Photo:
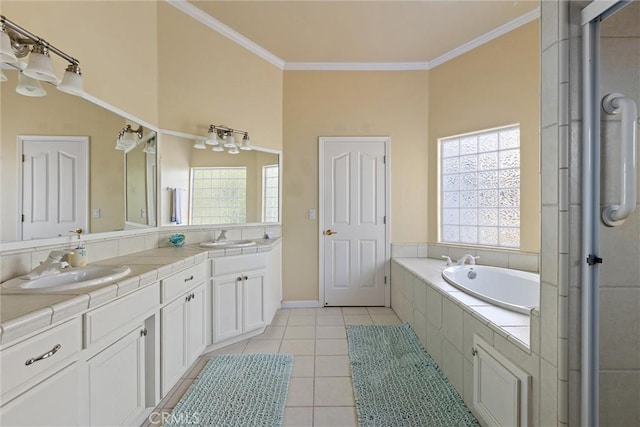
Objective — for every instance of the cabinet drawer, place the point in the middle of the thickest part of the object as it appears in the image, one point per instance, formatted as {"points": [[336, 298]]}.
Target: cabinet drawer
{"points": [[181, 282], [40, 353], [124, 311], [237, 264]]}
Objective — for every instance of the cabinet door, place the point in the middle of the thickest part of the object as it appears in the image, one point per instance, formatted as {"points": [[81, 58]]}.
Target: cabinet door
{"points": [[253, 306], [53, 402], [116, 381], [196, 338], [173, 342], [227, 306]]}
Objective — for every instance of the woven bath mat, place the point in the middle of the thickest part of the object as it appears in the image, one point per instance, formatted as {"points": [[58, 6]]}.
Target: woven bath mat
{"points": [[236, 390], [397, 383]]}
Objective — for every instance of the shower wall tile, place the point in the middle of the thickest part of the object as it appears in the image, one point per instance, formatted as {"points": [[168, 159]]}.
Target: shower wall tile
{"points": [[563, 231], [620, 318], [574, 398], [563, 402], [563, 275], [522, 261], [549, 323], [549, 245], [548, 394], [549, 165], [619, 397], [575, 246], [575, 166], [563, 359], [563, 64], [563, 189], [621, 252], [563, 100], [625, 24], [575, 330], [548, 24], [549, 86], [563, 146]]}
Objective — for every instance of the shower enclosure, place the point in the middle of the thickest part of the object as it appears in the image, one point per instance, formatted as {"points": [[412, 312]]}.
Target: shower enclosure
{"points": [[609, 322]]}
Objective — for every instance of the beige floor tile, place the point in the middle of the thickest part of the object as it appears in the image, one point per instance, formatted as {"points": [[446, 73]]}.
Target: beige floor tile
{"points": [[298, 417], [336, 416], [330, 320], [177, 395], [262, 346], [385, 319], [303, 311], [236, 348], [283, 312], [280, 321], [331, 347], [357, 319], [303, 366], [354, 310], [333, 391], [300, 392], [301, 320], [380, 310], [196, 368], [271, 333], [298, 347], [323, 311], [333, 366], [300, 332], [324, 332]]}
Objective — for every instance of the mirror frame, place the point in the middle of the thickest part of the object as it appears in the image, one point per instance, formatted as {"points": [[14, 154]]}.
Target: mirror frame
{"points": [[160, 215]]}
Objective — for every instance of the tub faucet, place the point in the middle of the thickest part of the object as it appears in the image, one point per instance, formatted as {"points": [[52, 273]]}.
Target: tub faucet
{"points": [[222, 236], [472, 259]]}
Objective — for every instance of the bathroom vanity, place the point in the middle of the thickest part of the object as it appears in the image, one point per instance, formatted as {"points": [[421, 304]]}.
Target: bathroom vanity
{"points": [[107, 355]]}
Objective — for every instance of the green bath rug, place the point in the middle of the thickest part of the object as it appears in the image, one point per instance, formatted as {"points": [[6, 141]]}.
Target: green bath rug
{"points": [[236, 390], [396, 382]]}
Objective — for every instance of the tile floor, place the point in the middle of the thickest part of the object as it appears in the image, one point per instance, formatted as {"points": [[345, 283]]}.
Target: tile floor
{"points": [[320, 391]]}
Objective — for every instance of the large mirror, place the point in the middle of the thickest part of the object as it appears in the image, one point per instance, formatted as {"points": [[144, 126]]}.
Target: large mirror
{"points": [[60, 169], [201, 187]]}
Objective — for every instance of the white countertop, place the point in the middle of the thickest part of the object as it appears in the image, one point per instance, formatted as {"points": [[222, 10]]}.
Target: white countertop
{"points": [[21, 313]]}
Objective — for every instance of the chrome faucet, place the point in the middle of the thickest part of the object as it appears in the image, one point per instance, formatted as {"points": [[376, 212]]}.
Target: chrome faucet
{"points": [[472, 259], [222, 236], [50, 266]]}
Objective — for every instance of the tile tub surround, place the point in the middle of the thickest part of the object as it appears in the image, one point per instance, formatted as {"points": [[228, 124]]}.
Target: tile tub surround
{"points": [[488, 256], [22, 314], [445, 320]]}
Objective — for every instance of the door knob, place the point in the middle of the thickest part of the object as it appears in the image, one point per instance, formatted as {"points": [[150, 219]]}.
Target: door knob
{"points": [[330, 232]]}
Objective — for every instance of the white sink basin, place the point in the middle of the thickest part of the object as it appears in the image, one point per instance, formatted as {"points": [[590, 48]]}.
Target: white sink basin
{"points": [[228, 244], [67, 279]]}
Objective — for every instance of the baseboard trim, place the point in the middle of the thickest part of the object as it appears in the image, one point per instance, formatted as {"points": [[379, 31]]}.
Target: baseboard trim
{"points": [[300, 304]]}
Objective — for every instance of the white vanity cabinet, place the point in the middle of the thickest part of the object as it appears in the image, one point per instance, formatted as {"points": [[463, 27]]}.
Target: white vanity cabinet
{"points": [[183, 324], [238, 284], [116, 336], [44, 369]]}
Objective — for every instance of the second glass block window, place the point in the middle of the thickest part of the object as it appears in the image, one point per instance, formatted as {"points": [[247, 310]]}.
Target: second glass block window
{"points": [[480, 188]]}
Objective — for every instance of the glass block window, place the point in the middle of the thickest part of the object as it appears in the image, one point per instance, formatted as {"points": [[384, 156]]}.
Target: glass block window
{"points": [[270, 204], [480, 188], [218, 195]]}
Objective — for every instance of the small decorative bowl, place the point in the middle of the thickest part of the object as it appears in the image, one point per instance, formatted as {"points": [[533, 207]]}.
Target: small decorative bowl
{"points": [[177, 240]]}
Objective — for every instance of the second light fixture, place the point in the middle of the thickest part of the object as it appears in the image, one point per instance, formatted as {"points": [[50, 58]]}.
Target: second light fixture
{"points": [[221, 137]]}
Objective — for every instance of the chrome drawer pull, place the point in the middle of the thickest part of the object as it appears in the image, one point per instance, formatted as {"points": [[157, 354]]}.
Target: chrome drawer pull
{"points": [[188, 278], [50, 353]]}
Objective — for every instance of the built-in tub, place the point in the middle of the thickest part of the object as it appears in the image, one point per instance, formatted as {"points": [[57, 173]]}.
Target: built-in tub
{"points": [[511, 289]]}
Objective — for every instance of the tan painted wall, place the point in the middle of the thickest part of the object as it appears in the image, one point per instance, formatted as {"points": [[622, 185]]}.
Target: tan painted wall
{"points": [[494, 85], [61, 114], [115, 42], [354, 104], [204, 78]]}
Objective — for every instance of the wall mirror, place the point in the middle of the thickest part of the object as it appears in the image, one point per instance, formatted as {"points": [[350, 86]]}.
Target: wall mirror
{"points": [[69, 142], [203, 187]]}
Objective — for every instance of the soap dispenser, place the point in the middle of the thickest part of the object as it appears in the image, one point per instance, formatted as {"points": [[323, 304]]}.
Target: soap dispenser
{"points": [[78, 256]]}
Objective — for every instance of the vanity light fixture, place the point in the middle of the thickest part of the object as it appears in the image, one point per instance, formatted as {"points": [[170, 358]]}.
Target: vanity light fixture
{"points": [[150, 146], [200, 144], [126, 140], [14, 44], [29, 86], [221, 137]]}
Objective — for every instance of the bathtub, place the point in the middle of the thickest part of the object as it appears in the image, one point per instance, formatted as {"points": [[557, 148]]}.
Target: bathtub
{"points": [[511, 289]]}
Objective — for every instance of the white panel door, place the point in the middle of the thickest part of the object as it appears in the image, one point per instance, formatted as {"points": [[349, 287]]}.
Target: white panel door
{"points": [[353, 192], [55, 185]]}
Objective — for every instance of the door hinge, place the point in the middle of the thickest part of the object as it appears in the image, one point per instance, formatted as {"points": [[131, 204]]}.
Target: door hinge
{"points": [[593, 260], [384, 219], [23, 158], [385, 280], [384, 159], [22, 217]]}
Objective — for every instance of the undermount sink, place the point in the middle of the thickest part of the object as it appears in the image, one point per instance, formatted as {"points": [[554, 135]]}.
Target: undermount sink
{"points": [[68, 279], [228, 244]]}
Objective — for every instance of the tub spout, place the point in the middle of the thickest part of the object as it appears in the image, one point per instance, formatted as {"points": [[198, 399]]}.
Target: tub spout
{"points": [[467, 257]]}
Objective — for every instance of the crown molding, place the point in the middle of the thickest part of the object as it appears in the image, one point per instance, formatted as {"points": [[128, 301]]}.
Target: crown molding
{"points": [[261, 52], [226, 31], [485, 38], [356, 66]]}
